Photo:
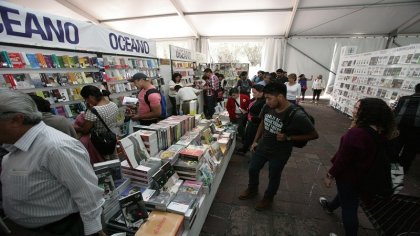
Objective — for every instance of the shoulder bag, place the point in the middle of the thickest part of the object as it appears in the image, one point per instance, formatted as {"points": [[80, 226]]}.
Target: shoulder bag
{"points": [[104, 142]]}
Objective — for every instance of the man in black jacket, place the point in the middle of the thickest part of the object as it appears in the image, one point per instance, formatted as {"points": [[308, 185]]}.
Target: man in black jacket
{"points": [[407, 115]]}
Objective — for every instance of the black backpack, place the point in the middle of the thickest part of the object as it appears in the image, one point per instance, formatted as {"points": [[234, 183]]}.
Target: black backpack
{"points": [[289, 117], [163, 104]]}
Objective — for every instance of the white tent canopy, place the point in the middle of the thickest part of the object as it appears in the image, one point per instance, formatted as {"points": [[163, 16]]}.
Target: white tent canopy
{"points": [[301, 36], [284, 18]]}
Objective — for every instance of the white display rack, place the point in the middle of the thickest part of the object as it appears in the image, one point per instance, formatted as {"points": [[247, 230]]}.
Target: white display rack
{"points": [[386, 74]]}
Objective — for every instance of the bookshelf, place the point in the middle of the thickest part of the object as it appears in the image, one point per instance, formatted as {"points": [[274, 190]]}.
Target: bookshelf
{"points": [[386, 74], [58, 76], [183, 62], [118, 69]]}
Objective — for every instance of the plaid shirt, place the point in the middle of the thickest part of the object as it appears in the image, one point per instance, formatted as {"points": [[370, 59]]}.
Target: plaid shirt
{"points": [[213, 83]]}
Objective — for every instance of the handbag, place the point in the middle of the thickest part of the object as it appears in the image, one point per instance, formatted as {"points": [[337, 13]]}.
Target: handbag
{"points": [[104, 142]]}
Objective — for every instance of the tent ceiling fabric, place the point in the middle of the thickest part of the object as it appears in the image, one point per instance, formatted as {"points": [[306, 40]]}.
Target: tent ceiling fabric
{"points": [[160, 19]]}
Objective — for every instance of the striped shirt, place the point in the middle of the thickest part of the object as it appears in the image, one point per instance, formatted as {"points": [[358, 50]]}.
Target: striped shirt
{"points": [[47, 176]]}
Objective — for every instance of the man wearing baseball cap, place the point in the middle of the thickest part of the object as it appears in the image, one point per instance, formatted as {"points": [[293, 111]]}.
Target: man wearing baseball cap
{"points": [[149, 108]]}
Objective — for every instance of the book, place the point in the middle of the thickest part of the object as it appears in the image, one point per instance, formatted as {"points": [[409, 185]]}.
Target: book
{"points": [[134, 149], [162, 224], [41, 60], [49, 61], [88, 79], [5, 60], [105, 182], [36, 80], [17, 60], [23, 81], [113, 166], [55, 61], [63, 79], [133, 210]]}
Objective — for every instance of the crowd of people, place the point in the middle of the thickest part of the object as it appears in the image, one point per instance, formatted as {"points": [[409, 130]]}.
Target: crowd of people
{"points": [[55, 190]]}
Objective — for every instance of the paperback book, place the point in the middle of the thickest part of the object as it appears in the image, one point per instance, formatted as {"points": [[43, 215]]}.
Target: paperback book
{"points": [[133, 210]]}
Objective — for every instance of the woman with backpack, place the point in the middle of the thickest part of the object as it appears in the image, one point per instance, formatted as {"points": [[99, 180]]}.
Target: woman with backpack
{"points": [[373, 125]]}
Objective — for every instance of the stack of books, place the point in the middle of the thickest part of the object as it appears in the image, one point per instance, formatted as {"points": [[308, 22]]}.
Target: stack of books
{"points": [[186, 197], [171, 154], [188, 164], [150, 141], [167, 189], [142, 174]]}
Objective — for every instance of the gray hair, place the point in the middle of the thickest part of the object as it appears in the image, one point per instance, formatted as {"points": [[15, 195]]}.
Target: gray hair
{"points": [[13, 102]]}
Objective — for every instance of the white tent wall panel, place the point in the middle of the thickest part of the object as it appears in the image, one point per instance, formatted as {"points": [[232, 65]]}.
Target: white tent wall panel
{"points": [[111, 9], [224, 5], [171, 26], [328, 3], [406, 40], [378, 20], [240, 24], [50, 6], [414, 29]]}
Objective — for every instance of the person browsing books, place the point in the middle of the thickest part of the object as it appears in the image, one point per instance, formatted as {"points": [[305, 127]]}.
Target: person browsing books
{"points": [[272, 145], [57, 122], [176, 80], [210, 90], [184, 96], [49, 186], [97, 99], [147, 114]]}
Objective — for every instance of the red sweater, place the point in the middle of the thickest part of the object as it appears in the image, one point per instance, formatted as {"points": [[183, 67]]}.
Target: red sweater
{"points": [[231, 105], [355, 155]]}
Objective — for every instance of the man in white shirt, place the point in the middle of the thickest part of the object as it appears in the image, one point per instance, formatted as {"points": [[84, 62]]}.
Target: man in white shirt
{"points": [[49, 187], [185, 96]]}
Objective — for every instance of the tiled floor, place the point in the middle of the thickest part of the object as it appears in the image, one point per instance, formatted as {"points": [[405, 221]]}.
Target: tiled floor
{"points": [[295, 210]]}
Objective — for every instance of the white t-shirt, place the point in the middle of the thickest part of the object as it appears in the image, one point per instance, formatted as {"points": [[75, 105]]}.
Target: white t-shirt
{"points": [[317, 84], [172, 84], [185, 94], [293, 91]]}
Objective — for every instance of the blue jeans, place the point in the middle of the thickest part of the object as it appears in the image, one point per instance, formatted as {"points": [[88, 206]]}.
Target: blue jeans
{"points": [[348, 199], [275, 167]]}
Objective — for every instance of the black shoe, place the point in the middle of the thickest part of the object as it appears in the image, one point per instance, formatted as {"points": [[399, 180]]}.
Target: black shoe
{"points": [[324, 203]]}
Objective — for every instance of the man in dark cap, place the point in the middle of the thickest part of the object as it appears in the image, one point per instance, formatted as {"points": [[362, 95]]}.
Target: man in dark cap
{"points": [[149, 108]]}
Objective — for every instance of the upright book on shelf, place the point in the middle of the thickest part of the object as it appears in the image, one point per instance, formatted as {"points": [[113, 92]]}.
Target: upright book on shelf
{"points": [[133, 210]]}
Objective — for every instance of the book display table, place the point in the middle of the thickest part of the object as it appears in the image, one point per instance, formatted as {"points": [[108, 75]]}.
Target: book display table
{"points": [[208, 199]]}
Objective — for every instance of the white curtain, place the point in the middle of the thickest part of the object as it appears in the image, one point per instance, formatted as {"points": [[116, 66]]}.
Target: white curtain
{"points": [[205, 48], [271, 56]]}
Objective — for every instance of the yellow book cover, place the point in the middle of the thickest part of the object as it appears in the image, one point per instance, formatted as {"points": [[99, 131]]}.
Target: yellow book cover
{"points": [[162, 224], [72, 78], [67, 61]]}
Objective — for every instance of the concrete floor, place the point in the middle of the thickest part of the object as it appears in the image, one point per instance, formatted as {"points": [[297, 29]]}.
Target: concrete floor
{"points": [[296, 210]]}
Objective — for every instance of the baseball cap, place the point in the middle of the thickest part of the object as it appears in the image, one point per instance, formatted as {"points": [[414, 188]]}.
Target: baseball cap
{"points": [[138, 76]]}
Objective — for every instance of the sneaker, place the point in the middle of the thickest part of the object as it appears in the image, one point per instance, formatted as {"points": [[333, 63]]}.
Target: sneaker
{"points": [[248, 194], [324, 203], [264, 204]]}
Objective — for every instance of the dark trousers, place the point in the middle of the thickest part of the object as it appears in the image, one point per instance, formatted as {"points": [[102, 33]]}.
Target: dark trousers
{"points": [[173, 103], [209, 104], [303, 91], [71, 225], [292, 101], [275, 167], [250, 131], [409, 141], [348, 199], [317, 93]]}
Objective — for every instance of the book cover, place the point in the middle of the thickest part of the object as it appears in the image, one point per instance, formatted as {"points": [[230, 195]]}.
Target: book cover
{"points": [[50, 79], [133, 209], [17, 60], [163, 224], [134, 149], [61, 61], [80, 77], [63, 79], [66, 61], [105, 182], [55, 61], [6, 63], [84, 62], [74, 62], [89, 77], [111, 164], [41, 60], [23, 81], [10, 81], [49, 61]]}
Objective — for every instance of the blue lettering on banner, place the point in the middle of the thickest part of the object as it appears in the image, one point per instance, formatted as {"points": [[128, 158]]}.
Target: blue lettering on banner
{"points": [[67, 33], [124, 43]]}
